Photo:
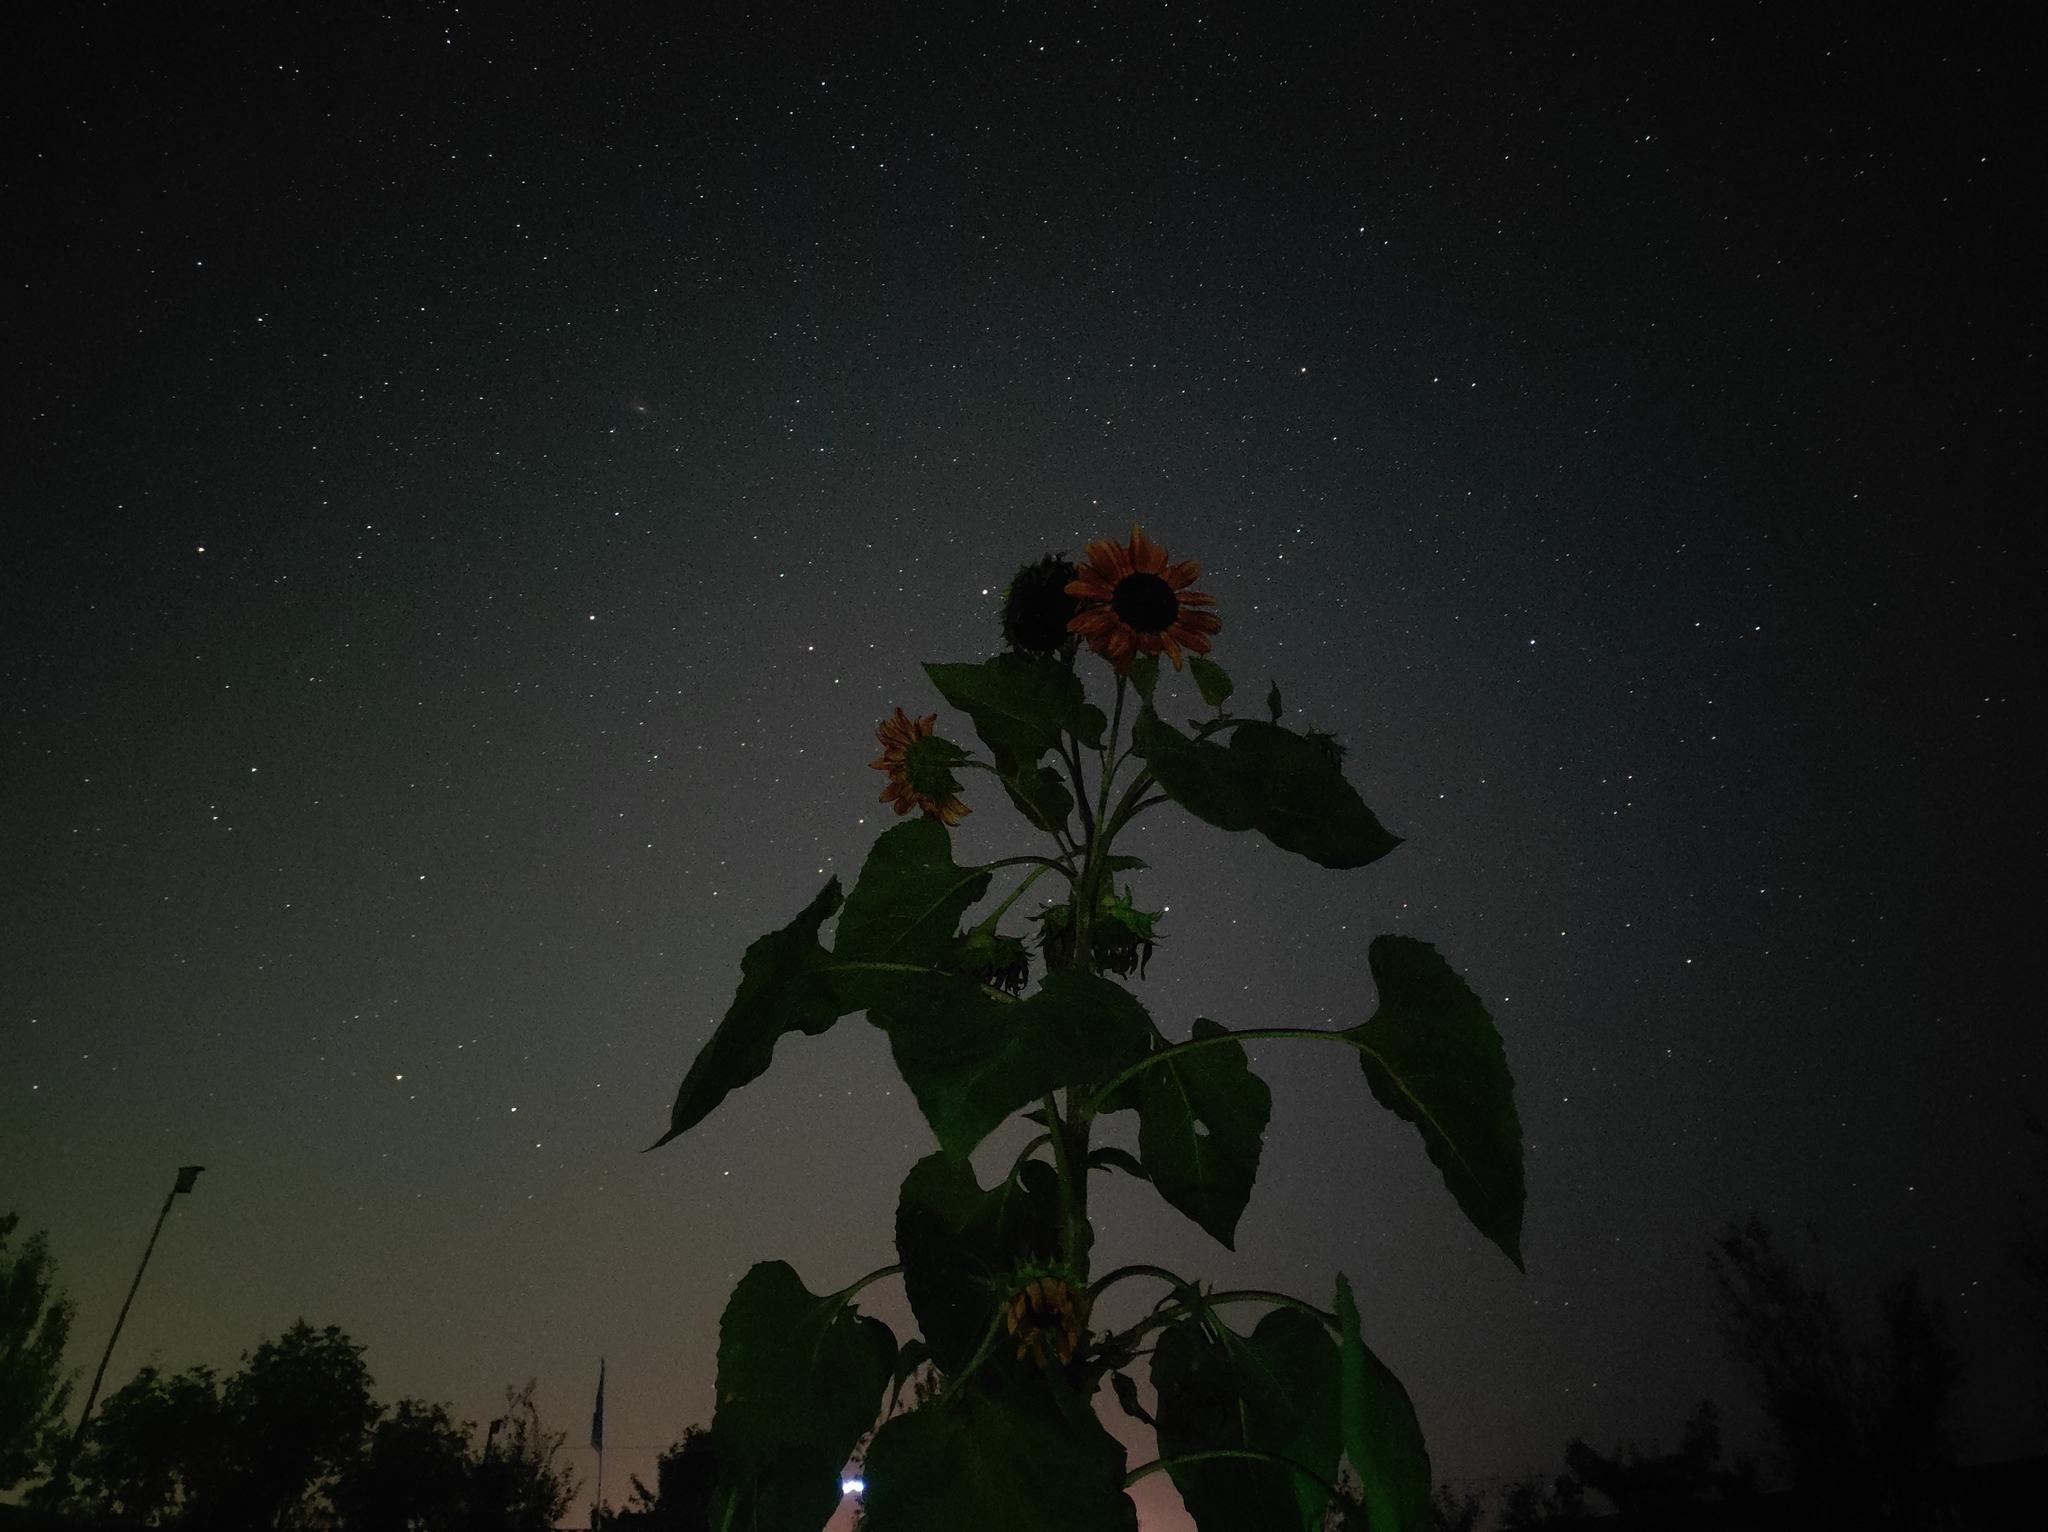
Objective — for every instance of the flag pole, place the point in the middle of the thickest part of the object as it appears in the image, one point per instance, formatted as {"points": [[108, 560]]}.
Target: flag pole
{"points": [[597, 1441], [187, 1175]]}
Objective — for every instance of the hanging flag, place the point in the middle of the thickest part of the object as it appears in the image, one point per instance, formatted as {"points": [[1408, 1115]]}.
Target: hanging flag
{"points": [[187, 1175], [597, 1415]]}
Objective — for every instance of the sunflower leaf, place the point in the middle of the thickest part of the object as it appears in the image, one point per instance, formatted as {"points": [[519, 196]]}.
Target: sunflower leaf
{"points": [[1431, 1055], [1040, 796], [895, 938], [1213, 680], [1273, 1391], [1019, 705], [1109, 1157], [800, 1380], [961, 1245], [907, 904], [1201, 1123], [1127, 1398], [1143, 675], [785, 987], [971, 1060], [1381, 1436], [1021, 1457], [1268, 779]]}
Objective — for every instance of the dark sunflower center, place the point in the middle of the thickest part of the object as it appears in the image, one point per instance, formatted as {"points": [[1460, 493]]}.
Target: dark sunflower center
{"points": [[1146, 602]]}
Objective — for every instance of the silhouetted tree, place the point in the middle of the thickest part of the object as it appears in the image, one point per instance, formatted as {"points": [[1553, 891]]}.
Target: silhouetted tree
{"points": [[294, 1440], [291, 1421], [414, 1475], [1454, 1513], [684, 1477], [2030, 1250], [1659, 1491], [34, 1325], [1539, 1502], [1864, 1434], [139, 1461], [1911, 1389], [516, 1484]]}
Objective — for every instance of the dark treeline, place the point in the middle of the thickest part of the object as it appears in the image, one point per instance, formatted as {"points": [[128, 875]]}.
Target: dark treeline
{"points": [[680, 1501], [294, 1438], [1861, 1433]]}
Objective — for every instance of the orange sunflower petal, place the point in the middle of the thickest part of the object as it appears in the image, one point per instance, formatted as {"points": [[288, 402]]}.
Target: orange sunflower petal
{"points": [[1180, 576], [1111, 559], [1147, 557]]}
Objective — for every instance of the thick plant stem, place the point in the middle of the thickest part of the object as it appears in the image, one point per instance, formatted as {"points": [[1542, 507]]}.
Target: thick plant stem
{"points": [[1166, 1314], [1070, 1158], [1125, 1273], [1116, 723], [1095, 862], [845, 1294], [1018, 892]]}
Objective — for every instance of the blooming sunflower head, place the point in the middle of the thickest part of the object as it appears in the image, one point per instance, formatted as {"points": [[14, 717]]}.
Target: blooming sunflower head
{"points": [[1133, 602], [1049, 1318], [1037, 608], [920, 767]]}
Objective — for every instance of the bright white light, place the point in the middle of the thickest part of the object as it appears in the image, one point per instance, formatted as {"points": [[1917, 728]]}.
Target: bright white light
{"points": [[851, 1486]]}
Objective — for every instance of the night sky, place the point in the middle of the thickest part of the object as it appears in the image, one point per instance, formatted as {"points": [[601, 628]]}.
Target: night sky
{"points": [[474, 485]]}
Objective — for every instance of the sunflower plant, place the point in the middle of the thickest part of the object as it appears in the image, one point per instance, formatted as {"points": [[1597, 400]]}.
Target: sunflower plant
{"points": [[987, 1418]]}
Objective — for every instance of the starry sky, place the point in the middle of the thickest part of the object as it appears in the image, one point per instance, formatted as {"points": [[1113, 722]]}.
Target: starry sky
{"points": [[476, 482]]}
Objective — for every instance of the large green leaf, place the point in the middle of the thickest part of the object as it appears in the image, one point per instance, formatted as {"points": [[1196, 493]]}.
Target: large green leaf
{"points": [[1019, 704], [961, 1246], [1381, 1437], [800, 1380], [894, 937], [784, 987], [906, 908], [971, 1059], [1041, 796], [1201, 1122], [1212, 679], [1027, 1456], [1274, 1391], [1431, 1054], [1282, 784]]}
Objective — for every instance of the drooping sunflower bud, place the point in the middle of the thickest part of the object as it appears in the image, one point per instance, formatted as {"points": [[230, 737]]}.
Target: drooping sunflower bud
{"points": [[1037, 608]]}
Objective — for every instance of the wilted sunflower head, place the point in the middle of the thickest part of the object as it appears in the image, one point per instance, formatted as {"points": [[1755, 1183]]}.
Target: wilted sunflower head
{"points": [[1049, 1318], [1037, 608], [920, 766]]}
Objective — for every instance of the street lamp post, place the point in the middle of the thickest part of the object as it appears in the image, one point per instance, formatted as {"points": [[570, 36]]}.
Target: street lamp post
{"points": [[187, 1176]]}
